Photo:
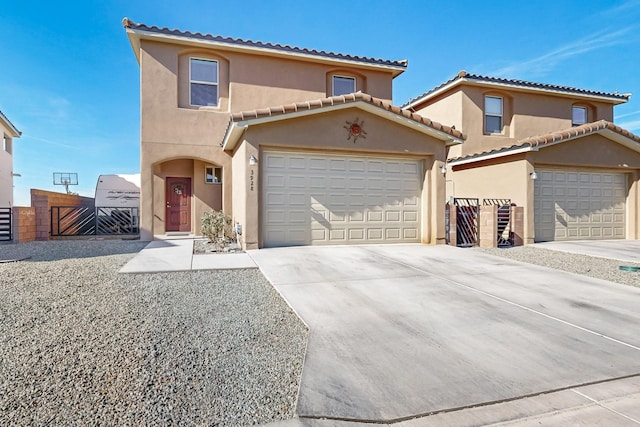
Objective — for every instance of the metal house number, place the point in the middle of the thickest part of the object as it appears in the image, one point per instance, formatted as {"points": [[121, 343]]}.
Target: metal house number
{"points": [[251, 180]]}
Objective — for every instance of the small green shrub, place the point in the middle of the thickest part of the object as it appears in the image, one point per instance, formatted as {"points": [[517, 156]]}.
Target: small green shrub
{"points": [[217, 227]]}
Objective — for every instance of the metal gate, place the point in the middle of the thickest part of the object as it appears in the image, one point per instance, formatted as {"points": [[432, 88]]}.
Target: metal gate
{"points": [[5, 225], [467, 221], [505, 230], [90, 221]]}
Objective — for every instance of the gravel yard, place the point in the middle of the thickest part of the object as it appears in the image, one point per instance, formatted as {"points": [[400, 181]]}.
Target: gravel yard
{"points": [[82, 345], [600, 268]]}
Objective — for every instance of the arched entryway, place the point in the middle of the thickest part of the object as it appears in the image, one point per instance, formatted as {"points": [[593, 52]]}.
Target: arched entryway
{"points": [[183, 190]]}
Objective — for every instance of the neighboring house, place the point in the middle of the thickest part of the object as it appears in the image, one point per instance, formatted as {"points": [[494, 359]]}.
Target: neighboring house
{"points": [[552, 149], [9, 132], [299, 146]]}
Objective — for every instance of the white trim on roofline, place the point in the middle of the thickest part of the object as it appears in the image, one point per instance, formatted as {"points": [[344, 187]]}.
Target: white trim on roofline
{"points": [[180, 39], [516, 87]]}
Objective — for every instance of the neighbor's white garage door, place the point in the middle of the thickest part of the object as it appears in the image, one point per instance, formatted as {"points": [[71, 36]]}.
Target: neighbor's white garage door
{"points": [[312, 199], [579, 205]]}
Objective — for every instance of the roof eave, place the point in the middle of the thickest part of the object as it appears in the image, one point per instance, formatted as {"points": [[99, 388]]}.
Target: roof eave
{"points": [[15, 133], [526, 147], [475, 82], [134, 39], [395, 70], [234, 135], [490, 156], [236, 129]]}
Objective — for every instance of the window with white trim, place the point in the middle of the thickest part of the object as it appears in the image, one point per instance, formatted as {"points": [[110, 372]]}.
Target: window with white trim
{"points": [[492, 114], [212, 175], [6, 144], [203, 82], [343, 85], [578, 116]]}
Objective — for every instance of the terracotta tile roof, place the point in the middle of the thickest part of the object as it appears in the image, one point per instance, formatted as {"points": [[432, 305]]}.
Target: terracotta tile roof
{"points": [[574, 132], [9, 124], [402, 64], [340, 100], [463, 75], [554, 138]]}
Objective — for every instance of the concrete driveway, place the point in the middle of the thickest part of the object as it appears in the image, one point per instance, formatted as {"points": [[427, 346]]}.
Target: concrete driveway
{"points": [[399, 331]]}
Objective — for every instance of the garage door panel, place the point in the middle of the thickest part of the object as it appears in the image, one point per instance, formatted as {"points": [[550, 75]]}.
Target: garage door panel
{"points": [[410, 233], [587, 205], [375, 184], [337, 165], [340, 199]]}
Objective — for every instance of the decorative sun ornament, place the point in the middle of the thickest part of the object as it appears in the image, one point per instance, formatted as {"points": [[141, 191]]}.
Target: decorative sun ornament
{"points": [[354, 129]]}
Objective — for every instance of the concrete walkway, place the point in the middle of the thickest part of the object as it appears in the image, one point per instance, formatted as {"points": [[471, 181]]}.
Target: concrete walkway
{"points": [[622, 250], [177, 255]]}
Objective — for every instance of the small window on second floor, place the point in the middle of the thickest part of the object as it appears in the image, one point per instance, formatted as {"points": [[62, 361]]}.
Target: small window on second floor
{"points": [[203, 82], [492, 114], [6, 145], [578, 116], [343, 85]]}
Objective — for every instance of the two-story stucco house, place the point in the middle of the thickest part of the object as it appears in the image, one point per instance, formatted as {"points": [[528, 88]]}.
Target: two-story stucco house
{"points": [[9, 132], [299, 146], [552, 149]]}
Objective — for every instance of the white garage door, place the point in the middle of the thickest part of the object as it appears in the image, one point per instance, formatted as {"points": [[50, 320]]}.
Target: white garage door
{"points": [[311, 199], [579, 205]]}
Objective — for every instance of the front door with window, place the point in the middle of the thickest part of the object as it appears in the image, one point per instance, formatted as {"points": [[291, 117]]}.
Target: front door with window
{"points": [[178, 204]]}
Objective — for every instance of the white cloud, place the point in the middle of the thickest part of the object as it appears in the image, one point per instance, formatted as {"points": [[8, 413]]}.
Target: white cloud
{"points": [[632, 125], [542, 64], [633, 113], [622, 7]]}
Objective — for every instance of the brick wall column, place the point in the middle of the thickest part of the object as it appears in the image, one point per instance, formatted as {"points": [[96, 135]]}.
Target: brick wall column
{"points": [[488, 234], [517, 225], [23, 224], [453, 229]]}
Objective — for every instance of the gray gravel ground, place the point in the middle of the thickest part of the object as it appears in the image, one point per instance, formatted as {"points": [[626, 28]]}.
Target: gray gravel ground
{"points": [[600, 268], [82, 345]]}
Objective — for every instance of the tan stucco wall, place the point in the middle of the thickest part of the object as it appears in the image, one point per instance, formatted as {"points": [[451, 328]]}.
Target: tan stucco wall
{"points": [[592, 150], [509, 177], [205, 197], [325, 133], [241, 190], [525, 114], [171, 129], [448, 111], [497, 179]]}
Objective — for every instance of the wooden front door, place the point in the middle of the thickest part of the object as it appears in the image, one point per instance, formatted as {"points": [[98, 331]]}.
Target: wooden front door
{"points": [[178, 204]]}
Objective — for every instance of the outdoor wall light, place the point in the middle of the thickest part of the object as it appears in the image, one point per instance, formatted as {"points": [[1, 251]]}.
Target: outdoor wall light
{"points": [[443, 168], [252, 160], [533, 175]]}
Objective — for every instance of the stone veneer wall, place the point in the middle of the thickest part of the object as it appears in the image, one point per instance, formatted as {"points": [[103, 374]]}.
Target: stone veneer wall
{"points": [[42, 201]]}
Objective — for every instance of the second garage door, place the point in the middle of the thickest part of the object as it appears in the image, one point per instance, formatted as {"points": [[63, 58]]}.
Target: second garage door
{"points": [[571, 205], [311, 199]]}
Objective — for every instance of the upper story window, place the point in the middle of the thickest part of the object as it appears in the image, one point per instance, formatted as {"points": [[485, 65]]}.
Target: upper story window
{"points": [[203, 82], [343, 85], [578, 116], [7, 145], [493, 114]]}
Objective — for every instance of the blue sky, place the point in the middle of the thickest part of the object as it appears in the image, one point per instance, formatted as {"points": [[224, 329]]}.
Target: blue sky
{"points": [[69, 77]]}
